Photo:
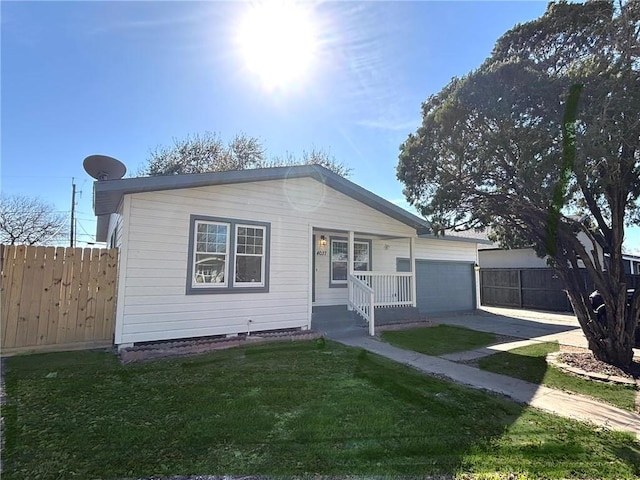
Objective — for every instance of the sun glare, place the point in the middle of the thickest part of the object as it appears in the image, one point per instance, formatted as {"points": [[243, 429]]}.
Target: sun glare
{"points": [[277, 41]]}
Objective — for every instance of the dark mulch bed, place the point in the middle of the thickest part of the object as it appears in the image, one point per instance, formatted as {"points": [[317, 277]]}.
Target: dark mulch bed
{"points": [[587, 362]]}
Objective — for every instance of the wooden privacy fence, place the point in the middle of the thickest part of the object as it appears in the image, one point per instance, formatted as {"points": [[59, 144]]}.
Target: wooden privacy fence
{"points": [[536, 288], [57, 298]]}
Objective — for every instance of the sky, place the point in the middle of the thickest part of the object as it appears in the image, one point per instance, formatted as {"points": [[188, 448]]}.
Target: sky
{"points": [[122, 78]]}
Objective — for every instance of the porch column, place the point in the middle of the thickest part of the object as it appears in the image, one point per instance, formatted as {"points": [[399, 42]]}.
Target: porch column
{"points": [[412, 262], [350, 249]]}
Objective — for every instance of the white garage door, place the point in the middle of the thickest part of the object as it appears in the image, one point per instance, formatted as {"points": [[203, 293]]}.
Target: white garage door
{"points": [[443, 286]]}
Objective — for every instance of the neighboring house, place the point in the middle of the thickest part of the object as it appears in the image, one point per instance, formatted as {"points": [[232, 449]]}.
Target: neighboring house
{"points": [[519, 278], [257, 250], [495, 257], [631, 264]]}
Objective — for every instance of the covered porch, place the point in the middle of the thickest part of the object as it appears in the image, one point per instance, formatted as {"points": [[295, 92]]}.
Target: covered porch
{"points": [[359, 271]]}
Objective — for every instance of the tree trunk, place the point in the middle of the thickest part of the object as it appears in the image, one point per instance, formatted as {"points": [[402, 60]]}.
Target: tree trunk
{"points": [[610, 337]]}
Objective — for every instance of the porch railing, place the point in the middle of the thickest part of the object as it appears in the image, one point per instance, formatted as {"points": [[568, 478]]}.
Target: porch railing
{"points": [[361, 299], [390, 289]]}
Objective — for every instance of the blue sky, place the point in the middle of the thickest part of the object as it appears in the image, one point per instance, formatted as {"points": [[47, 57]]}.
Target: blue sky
{"points": [[121, 78]]}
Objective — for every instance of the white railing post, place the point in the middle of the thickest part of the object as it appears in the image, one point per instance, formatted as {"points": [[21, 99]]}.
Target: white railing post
{"points": [[372, 311], [362, 300], [350, 243], [412, 260], [391, 289]]}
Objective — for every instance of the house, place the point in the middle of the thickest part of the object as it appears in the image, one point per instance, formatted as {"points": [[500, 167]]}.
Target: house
{"points": [[257, 250], [519, 278], [495, 257]]}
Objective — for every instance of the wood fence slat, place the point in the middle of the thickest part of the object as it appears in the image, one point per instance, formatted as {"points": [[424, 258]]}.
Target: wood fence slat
{"points": [[83, 296], [56, 308], [65, 294], [27, 254], [74, 293], [101, 294], [111, 278], [8, 264], [94, 281], [35, 287], [46, 295]]}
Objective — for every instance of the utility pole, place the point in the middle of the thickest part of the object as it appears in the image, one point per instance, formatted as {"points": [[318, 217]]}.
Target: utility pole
{"points": [[73, 213]]}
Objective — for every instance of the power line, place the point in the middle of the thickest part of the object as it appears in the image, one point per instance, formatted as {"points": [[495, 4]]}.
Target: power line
{"points": [[85, 231]]}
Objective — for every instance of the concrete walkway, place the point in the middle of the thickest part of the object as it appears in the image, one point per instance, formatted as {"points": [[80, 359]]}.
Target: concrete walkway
{"points": [[546, 327]]}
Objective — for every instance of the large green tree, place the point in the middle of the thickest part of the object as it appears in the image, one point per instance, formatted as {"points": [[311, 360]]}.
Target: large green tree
{"points": [[489, 154], [207, 152]]}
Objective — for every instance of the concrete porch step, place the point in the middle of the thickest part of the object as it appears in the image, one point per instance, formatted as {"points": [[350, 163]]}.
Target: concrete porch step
{"points": [[391, 315]]}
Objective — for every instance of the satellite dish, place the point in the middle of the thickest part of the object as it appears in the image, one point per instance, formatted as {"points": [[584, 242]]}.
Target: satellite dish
{"points": [[102, 167]]}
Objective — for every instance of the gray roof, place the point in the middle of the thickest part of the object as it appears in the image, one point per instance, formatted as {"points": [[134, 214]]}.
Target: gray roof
{"points": [[107, 194], [481, 237]]}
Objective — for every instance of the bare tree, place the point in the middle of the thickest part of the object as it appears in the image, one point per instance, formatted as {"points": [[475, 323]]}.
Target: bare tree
{"points": [[30, 221], [204, 153], [207, 152], [315, 156]]}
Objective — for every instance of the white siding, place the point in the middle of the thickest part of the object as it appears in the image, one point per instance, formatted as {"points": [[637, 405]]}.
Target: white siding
{"points": [[123, 222], [152, 300], [115, 225], [426, 249]]}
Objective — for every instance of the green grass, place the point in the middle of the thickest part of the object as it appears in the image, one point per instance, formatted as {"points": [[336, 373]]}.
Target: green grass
{"points": [[529, 363], [283, 410], [438, 340]]}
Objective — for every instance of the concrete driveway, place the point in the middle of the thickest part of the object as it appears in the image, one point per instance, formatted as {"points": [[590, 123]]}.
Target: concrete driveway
{"points": [[525, 324], [338, 324]]}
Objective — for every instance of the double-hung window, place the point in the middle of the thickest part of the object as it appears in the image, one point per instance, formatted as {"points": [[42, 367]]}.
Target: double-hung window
{"points": [[340, 256], [211, 254], [227, 256], [249, 255]]}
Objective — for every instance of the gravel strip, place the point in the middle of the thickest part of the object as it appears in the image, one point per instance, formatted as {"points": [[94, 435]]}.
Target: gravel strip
{"points": [[181, 348]]}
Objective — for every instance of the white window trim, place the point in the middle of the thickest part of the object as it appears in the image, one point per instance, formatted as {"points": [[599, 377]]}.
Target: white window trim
{"points": [[230, 286], [195, 284], [368, 244], [333, 282], [262, 256]]}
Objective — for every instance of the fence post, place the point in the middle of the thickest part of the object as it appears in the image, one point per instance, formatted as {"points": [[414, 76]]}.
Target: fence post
{"points": [[520, 288]]}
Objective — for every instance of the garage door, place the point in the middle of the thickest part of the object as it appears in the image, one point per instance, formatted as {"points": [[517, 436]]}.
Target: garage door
{"points": [[443, 286]]}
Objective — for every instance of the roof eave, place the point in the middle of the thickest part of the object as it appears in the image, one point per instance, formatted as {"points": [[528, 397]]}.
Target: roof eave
{"points": [[107, 194], [450, 238]]}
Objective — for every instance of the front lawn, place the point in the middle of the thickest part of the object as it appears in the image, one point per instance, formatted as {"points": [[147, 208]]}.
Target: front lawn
{"points": [[529, 363], [281, 409], [438, 340]]}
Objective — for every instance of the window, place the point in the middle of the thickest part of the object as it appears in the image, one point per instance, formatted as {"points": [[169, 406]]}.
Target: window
{"points": [[361, 256], [227, 256], [210, 262], [340, 256], [249, 255]]}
